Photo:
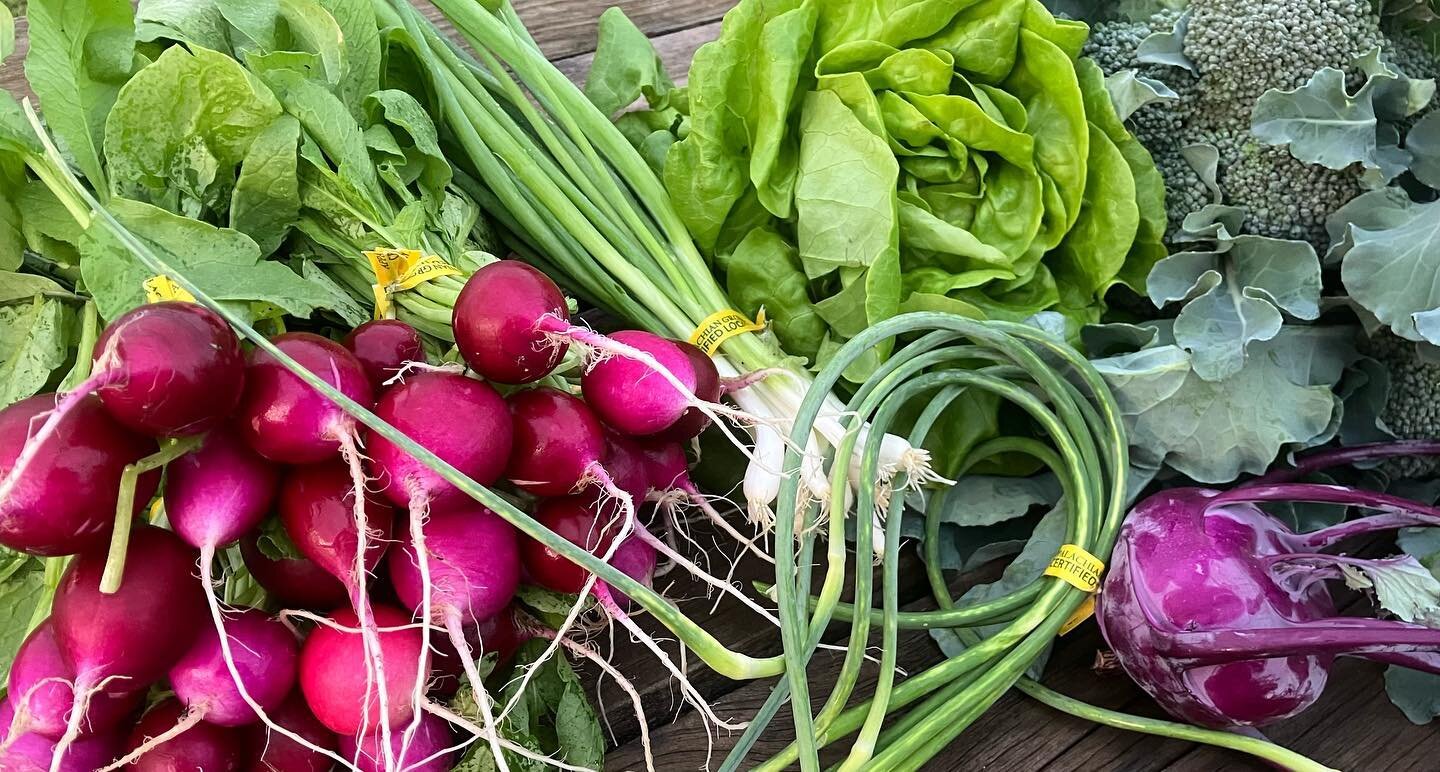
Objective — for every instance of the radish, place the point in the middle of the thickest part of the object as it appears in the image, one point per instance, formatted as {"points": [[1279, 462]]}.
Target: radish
{"points": [[559, 445], [219, 687], [460, 419], [383, 346], [707, 389], [629, 396], [626, 461], [32, 752], [213, 497], [286, 420], [472, 577], [259, 655], [65, 501], [203, 746], [168, 369], [669, 471], [431, 750], [475, 435], [129, 638], [317, 506], [1220, 612], [475, 567], [576, 519], [333, 671], [294, 582], [163, 369], [219, 492], [39, 689], [279, 753], [501, 321]]}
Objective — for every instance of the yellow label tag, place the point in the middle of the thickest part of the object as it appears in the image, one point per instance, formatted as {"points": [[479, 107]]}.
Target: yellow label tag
{"points": [[722, 326], [1077, 567], [161, 288], [397, 270], [1083, 612]]}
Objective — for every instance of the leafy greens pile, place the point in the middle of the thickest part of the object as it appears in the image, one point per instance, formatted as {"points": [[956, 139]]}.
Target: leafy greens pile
{"points": [[843, 163]]}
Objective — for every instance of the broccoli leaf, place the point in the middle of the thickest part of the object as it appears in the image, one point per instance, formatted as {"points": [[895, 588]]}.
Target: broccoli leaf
{"points": [[1131, 91], [1214, 431], [1415, 693], [1167, 47], [1324, 124], [1423, 144], [1390, 252], [1235, 296]]}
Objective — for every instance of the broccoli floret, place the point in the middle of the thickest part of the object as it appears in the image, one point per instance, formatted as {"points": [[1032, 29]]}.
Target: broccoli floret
{"points": [[1240, 50], [1412, 408], [1243, 48]]}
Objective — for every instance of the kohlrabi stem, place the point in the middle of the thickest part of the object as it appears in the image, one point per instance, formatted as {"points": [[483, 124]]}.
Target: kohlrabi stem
{"points": [[1333, 635], [170, 449], [1325, 459], [1332, 535], [1315, 493], [724, 661], [1275, 754]]}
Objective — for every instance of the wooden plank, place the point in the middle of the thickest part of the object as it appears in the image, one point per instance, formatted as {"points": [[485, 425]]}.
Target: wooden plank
{"points": [[675, 49], [12, 74]]}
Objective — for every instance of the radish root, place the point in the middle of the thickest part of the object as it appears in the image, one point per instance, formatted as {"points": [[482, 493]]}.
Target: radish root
{"points": [[360, 601], [482, 697], [186, 722]]}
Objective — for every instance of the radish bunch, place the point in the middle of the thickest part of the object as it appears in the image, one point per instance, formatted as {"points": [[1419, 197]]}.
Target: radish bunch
{"points": [[260, 466]]}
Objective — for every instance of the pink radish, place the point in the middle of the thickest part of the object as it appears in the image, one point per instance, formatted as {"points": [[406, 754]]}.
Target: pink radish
{"points": [[286, 420], [164, 369], [669, 471], [498, 322], [295, 582], [130, 638], [213, 497], [632, 397], [333, 671], [261, 651], [460, 419], [425, 753], [707, 388], [279, 753], [577, 519], [475, 435], [169, 369], [39, 690], [559, 443], [315, 505], [203, 746], [36, 753], [628, 465], [219, 492], [475, 566], [383, 346], [65, 500]]}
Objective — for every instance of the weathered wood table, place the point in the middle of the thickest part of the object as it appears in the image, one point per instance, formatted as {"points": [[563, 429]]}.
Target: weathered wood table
{"points": [[1354, 727]]}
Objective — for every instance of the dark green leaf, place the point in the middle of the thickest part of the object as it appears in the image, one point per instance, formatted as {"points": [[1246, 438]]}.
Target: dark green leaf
{"points": [[266, 201], [34, 343]]}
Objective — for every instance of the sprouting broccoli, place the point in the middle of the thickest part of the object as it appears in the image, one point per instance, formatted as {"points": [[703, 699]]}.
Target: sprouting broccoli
{"points": [[1412, 405], [1239, 50]]}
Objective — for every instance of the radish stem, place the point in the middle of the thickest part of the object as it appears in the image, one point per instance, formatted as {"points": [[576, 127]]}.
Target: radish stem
{"points": [[170, 449]]}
